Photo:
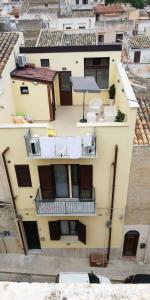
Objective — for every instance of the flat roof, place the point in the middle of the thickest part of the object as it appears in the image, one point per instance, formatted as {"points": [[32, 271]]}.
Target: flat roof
{"points": [[43, 75]]}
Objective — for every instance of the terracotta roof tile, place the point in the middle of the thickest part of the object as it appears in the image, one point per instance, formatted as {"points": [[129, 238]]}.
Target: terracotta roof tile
{"points": [[50, 38], [44, 75], [108, 9], [139, 42], [7, 43], [142, 127]]}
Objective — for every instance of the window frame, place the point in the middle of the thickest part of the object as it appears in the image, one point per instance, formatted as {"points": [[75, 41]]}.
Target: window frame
{"points": [[69, 227], [97, 67], [101, 35], [24, 87], [45, 60], [119, 35]]}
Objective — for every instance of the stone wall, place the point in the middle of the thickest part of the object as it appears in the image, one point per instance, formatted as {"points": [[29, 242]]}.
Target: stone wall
{"points": [[138, 202]]}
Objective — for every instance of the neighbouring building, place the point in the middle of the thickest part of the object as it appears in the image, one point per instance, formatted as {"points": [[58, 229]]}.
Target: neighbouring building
{"points": [[68, 179], [112, 23], [136, 242], [9, 49], [137, 49]]}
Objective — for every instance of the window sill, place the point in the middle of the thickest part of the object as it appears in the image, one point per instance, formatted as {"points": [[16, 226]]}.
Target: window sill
{"points": [[69, 238]]}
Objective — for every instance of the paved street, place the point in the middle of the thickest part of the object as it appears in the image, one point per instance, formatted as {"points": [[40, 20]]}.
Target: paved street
{"points": [[45, 265]]}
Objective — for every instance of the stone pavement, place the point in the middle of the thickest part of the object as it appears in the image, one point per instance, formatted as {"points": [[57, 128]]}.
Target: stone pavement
{"points": [[46, 265]]}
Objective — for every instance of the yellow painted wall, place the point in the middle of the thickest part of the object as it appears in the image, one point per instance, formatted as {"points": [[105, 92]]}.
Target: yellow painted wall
{"points": [[74, 62], [34, 104], [97, 232]]}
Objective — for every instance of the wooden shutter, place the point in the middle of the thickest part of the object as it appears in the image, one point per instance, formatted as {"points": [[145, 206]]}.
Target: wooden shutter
{"points": [[47, 184], [85, 181], [82, 232], [54, 230], [23, 175]]}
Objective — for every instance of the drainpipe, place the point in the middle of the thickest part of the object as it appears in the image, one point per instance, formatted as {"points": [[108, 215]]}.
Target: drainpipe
{"points": [[13, 200], [114, 164]]}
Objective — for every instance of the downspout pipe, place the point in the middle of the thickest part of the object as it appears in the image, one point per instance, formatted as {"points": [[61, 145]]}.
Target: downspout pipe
{"points": [[13, 199], [114, 164]]}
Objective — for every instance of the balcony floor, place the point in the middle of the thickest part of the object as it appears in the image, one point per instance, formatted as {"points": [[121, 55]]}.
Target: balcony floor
{"points": [[66, 118]]}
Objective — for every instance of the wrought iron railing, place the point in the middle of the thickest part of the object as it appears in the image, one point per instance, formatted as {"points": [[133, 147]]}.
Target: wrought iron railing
{"points": [[67, 206], [33, 147]]}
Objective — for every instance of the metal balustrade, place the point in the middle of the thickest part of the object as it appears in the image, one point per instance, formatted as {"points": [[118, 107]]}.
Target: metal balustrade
{"points": [[67, 206]]}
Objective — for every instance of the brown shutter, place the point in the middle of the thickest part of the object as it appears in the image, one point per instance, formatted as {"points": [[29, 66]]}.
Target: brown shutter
{"points": [[82, 232], [47, 185], [23, 175], [85, 181], [54, 230]]}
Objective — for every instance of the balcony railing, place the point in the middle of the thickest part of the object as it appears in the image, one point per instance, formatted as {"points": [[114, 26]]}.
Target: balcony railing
{"points": [[65, 206], [60, 147]]}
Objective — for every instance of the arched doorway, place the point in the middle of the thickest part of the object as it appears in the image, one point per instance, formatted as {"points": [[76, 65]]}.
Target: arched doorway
{"points": [[130, 243]]}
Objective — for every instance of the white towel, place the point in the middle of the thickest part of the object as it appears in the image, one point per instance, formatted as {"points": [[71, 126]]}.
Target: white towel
{"points": [[47, 145], [87, 140], [74, 146], [61, 147]]}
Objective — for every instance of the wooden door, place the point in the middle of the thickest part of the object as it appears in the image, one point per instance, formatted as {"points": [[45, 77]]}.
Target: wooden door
{"points": [[31, 233], [130, 243], [85, 181], [137, 56], [47, 183], [65, 87]]}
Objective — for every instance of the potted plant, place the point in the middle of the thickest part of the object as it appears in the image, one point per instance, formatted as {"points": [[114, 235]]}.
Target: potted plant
{"points": [[112, 92], [120, 116]]}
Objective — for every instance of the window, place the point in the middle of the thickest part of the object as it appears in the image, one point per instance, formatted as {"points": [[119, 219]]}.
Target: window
{"points": [[66, 181], [61, 181], [23, 175], [99, 69], [137, 56], [81, 27], [68, 27], [24, 90], [119, 37], [84, 1], [97, 17], [45, 62], [101, 38], [67, 227], [77, 2]]}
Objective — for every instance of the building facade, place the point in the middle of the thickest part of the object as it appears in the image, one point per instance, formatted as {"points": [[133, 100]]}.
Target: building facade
{"points": [[68, 179]]}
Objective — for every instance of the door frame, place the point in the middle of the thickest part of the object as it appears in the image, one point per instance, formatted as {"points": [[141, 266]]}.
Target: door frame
{"points": [[26, 241], [50, 103], [60, 89], [138, 233]]}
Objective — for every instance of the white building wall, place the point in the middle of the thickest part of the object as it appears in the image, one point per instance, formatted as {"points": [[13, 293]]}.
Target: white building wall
{"points": [[75, 23], [145, 55], [142, 25]]}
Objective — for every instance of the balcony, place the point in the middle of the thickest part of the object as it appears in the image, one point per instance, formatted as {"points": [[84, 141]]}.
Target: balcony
{"points": [[60, 147], [65, 206]]}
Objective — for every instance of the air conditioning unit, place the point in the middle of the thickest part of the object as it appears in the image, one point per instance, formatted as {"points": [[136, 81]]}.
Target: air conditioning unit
{"points": [[21, 60]]}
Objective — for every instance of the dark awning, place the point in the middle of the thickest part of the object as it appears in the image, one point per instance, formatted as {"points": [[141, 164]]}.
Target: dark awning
{"points": [[85, 84]]}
